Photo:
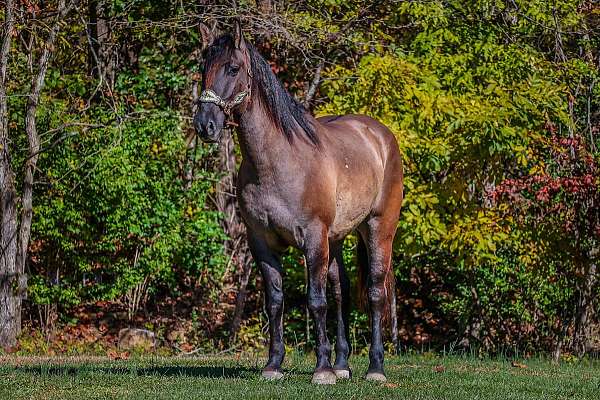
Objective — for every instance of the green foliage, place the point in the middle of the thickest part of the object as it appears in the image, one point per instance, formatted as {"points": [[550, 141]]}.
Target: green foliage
{"points": [[113, 210], [470, 89], [468, 108]]}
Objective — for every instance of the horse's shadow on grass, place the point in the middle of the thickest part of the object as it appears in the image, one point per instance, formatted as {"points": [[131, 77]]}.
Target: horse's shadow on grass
{"points": [[165, 371]]}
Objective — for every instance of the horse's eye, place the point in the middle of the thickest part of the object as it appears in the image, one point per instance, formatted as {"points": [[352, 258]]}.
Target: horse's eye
{"points": [[233, 69]]}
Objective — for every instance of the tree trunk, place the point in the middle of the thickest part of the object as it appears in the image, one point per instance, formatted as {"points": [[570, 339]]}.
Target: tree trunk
{"points": [[10, 303], [101, 63], [33, 140], [557, 351], [92, 32], [472, 332], [584, 310], [314, 84], [240, 301], [15, 238]]}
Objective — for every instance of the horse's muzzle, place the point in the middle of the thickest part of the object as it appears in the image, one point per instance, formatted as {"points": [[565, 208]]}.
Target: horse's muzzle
{"points": [[208, 131]]}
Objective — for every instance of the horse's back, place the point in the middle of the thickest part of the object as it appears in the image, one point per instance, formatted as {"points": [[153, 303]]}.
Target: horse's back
{"points": [[369, 167], [366, 132], [363, 125]]}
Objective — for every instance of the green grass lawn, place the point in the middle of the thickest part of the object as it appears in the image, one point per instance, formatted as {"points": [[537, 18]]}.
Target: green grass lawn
{"points": [[409, 377]]}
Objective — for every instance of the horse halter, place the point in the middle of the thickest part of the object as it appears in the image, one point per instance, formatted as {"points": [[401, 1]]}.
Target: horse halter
{"points": [[208, 96]]}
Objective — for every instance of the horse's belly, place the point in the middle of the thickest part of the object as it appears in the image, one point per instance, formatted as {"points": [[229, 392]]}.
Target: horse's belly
{"points": [[355, 197], [347, 219]]}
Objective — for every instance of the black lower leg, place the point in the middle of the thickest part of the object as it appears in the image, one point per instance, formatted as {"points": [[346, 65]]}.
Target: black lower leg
{"points": [[318, 307], [341, 290], [376, 302], [274, 301], [317, 257]]}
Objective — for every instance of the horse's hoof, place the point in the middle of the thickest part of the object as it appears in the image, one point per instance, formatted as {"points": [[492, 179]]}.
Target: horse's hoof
{"points": [[272, 375], [326, 377], [375, 377], [342, 373]]}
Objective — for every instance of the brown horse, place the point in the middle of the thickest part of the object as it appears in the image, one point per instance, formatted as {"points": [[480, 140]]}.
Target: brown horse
{"points": [[307, 183]]}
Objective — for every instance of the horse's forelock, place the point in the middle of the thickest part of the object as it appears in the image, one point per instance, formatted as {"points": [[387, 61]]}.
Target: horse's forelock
{"points": [[219, 48]]}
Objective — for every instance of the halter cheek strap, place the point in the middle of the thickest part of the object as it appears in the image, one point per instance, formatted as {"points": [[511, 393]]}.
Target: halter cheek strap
{"points": [[208, 96]]}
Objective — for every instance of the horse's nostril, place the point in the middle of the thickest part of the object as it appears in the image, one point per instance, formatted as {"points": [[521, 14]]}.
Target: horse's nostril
{"points": [[210, 127], [198, 124]]}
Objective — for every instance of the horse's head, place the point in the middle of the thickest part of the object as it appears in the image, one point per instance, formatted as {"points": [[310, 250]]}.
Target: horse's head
{"points": [[226, 82]]}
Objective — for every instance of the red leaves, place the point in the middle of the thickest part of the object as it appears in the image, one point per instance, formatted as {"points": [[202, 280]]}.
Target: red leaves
{"points": [[543, 194], [544, 186], [31, 7], [567, 191]]}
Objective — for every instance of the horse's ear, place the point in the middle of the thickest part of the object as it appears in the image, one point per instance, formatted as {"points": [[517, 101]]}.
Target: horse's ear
{"points": [[207, 35], [238, 35]]}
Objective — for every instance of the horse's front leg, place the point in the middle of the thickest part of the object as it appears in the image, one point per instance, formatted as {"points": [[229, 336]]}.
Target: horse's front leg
{"points": [[341, 292], [271, 270], [316, 248]]}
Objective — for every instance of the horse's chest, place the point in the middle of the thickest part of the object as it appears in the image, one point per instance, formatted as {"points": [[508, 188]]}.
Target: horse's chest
{"points": [[266, 211], [255, 206]]}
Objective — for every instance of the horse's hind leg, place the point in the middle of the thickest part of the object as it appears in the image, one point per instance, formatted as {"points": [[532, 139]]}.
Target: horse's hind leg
{"points": [[378, 232], [341, 291], [379, 237], [270, 268]]}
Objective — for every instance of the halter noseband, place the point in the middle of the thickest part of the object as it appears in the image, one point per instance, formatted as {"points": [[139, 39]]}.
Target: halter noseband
{"points": [[208, 96]]}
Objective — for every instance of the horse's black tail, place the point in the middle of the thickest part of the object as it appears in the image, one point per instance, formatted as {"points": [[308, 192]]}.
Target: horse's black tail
{"points": [[362, 259]]}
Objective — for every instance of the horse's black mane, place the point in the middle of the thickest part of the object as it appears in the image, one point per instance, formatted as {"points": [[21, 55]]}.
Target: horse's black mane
{"points": [[287, 113]]}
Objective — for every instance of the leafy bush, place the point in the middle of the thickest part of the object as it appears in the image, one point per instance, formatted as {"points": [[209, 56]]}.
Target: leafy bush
{"points": [[468, 109], [114, 210]]}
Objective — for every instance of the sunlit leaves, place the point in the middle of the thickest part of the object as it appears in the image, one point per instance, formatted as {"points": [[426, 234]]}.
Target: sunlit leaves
{"points": [[453, 119], [469, 88]]}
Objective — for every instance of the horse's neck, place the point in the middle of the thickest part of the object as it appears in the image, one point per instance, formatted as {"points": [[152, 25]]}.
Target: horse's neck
{"points": [[261, 143]]}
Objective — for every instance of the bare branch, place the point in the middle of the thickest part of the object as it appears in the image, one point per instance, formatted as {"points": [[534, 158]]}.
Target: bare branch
{"points": [[312, 89]]}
